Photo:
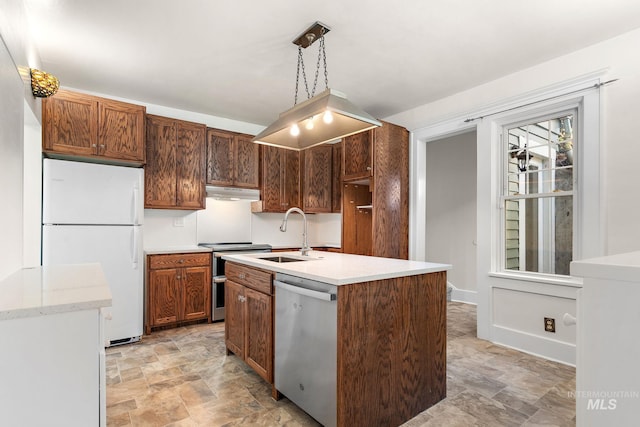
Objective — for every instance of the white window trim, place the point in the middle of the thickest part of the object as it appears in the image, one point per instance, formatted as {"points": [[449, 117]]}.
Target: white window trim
{"points": [[591, 244], [547, 231], [588, 221]]}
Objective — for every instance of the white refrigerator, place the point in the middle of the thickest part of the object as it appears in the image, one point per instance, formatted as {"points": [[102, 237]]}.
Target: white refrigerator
{"points": [[93, 213]]}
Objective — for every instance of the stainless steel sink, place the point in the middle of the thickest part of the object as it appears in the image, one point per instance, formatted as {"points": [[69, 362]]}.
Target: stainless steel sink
{"points": [[282, 259]]}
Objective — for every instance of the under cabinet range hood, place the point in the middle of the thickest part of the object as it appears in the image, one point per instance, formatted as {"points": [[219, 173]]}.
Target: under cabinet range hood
{"points": [[232, 193]]}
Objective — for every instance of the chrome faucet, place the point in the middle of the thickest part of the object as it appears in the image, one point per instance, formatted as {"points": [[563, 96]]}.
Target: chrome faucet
{"points": [[283, 227]]}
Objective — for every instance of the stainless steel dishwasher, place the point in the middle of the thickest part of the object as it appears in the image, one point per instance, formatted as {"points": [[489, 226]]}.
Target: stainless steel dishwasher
{"points": [[305, 345]]}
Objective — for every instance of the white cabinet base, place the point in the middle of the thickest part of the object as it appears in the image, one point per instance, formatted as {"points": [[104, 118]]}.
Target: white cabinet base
{"points": [[50, 370]]}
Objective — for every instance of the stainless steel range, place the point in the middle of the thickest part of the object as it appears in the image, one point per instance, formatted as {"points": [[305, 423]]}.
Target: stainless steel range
{"points": [[217, 270]]}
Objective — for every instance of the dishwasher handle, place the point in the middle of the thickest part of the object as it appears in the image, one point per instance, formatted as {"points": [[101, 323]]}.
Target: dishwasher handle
{"points": [[325, 296]]}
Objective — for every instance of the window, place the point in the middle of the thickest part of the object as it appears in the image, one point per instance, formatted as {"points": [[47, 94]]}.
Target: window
{"points": [[538, 194]]}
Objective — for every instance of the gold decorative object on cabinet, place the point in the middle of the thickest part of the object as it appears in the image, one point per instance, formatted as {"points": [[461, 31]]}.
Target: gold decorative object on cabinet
{"points": [[43, 84]]}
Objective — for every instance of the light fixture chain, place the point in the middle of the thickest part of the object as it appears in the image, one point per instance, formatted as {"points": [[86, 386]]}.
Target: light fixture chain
{"points": [[304, 76], [320, 50], [324, 57], [295, 99]]}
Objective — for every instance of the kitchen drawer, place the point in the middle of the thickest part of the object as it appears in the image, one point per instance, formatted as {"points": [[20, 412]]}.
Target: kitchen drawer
{"points": [[179, 260], [250, 277]]}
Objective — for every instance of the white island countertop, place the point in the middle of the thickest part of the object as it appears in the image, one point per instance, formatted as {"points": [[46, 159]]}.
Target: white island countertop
{"points": [[624, 267], [37, 291], [337, 268]]}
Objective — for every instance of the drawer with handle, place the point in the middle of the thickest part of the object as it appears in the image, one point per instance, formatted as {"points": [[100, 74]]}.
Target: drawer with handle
{"points": [[250, 277], [179, 260]]}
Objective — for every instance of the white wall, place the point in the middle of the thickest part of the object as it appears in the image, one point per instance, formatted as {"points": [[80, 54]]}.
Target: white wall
{"points": [[451, 210], [32, 188], [226, 221], [505, 317], [620, 108], [11, 167]]}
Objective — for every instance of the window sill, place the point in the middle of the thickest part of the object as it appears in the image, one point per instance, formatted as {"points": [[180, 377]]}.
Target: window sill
{"points": [[573, 282]]}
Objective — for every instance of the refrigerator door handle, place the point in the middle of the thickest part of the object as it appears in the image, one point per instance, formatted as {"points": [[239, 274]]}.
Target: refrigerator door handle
{"points": [[136, 210], [135, 237]]}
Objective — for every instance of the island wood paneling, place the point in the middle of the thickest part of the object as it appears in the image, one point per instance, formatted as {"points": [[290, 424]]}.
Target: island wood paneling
{"points": [[391, 349]]}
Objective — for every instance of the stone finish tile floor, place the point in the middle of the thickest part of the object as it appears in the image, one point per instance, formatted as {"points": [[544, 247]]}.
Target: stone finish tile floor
{"points": [[183, 377]]}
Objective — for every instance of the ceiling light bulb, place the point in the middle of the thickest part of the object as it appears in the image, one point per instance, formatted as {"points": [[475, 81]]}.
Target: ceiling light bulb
{"points": [[327, 117], [295, 130], [309, 123]]}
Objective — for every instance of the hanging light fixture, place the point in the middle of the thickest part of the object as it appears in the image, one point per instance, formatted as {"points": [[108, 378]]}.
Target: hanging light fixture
{"points": [[321, 118], [43, 84]]}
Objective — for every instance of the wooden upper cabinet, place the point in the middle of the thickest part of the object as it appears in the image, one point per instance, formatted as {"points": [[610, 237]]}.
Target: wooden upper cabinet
{"points": [[191, 165], [232, 159], [121, 130], [391, 192], [380, 226], [219, 157], [317, 179], [175, 169], [291, 179], [75, 124], [336, 184], [246, 162], [358, 156], [160, 170], [280, 179], [70, 124]]}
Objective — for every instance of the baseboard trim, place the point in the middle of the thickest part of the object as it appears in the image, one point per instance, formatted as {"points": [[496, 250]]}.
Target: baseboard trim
{"points": [[546, 348], [462, 295]]}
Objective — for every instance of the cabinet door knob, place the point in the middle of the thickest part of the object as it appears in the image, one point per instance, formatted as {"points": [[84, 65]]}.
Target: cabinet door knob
{"points": [[94, 145], [178, 277], [368, 168], [181, 261]]}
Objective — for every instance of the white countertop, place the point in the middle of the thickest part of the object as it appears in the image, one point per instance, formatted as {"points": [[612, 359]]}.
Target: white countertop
{"points": [[339, 269], [52, 289], [176, 250], [625, 267]]}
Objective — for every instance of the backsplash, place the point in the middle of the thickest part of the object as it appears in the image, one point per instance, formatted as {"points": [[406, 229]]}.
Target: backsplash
{"points": [[227, 221]]}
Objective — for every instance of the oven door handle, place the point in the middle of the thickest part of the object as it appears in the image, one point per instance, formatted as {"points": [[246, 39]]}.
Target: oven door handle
{"points": [[219, 279]]}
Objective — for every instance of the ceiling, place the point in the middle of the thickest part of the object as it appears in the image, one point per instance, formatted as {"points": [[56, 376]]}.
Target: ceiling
{"points": [[235, 59]]}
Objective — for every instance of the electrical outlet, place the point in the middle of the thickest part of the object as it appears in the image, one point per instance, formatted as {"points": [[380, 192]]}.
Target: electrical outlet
{"points": [[550, 324]]}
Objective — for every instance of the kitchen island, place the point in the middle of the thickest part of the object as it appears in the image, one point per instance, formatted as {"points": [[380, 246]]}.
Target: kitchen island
{"points": [[52, 362], [390, 330]]}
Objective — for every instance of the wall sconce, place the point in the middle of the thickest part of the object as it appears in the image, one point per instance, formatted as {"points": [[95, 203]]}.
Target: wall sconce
{"points": [[43, 84], [523, 157]]}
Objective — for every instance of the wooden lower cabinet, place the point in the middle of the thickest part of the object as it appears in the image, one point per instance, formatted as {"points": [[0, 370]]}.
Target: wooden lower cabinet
{"points": [[249, 317], [178, 289]]}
